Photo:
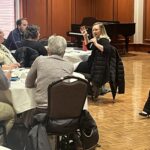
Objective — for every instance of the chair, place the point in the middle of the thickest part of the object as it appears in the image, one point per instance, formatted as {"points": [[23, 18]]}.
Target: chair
{"points": [[66, 99], [3, 132]]}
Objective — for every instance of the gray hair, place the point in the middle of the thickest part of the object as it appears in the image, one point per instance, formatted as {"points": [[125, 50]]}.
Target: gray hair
{"points": [[56, 45]]}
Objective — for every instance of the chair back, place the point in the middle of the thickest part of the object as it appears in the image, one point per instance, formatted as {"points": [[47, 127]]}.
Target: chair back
{"points": [[66, 97]]}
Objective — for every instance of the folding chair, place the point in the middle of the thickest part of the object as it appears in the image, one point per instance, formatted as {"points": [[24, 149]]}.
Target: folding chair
{"points": [[66, 99]]}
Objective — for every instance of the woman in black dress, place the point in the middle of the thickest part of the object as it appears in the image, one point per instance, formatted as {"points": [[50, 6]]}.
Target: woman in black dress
{"points": [[97, 64]]}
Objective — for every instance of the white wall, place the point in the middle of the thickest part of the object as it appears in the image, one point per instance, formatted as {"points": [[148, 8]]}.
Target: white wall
{"points": [[7, 16], [138, 19]]}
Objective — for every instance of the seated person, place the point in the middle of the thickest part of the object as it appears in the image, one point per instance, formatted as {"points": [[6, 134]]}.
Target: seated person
{"points": [[97, 64], [7, 113], [146, 109], [17, 35], [2, 33], [46, 69], [6, 57], [32, 35]]}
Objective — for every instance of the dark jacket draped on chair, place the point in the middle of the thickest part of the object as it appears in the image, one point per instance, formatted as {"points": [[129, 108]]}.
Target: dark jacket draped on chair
{"points": [[26, 56]]}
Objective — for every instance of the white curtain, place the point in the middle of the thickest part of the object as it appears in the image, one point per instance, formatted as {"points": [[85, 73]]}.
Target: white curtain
{"points": [[7, 16]]}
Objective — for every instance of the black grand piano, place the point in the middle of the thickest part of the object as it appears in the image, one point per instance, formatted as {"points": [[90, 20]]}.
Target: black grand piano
{"points": [[113, 28]]}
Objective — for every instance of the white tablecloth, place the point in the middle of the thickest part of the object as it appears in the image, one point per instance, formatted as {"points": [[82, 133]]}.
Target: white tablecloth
{"points": [[75, 55], [20, 97]]}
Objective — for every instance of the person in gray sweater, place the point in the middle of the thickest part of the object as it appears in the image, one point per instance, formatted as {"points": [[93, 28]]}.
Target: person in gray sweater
{"points": [[47, 69]]}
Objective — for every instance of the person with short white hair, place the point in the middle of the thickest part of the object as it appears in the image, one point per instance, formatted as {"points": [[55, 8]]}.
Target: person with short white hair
{"points": [[47, 69]]}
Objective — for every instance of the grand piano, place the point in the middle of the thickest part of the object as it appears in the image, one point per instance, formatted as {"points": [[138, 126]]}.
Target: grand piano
{"points": [[113, 28]]}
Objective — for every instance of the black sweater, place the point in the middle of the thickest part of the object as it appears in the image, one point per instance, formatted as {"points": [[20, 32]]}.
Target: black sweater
{"points": [[35, 45], [99, 62]]}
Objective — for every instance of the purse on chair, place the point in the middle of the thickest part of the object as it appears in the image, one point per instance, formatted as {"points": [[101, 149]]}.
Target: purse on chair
{"points": [[88, 130]]}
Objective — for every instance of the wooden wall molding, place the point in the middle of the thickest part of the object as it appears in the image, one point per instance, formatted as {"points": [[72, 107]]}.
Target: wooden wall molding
{"points": [[145, 47]]}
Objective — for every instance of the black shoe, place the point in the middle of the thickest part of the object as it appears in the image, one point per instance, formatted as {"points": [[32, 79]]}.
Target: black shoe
{"points": [[145, 114]]}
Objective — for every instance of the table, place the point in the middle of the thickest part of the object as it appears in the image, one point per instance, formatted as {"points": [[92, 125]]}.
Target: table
{"points": [[75, 55], [19, 96]]}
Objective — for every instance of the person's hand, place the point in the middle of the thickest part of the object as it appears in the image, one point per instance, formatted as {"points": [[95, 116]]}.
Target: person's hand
{"points": [[11, 66], [83, 31], [99, 46], [7, 71], [94, 41], [15, 65]]}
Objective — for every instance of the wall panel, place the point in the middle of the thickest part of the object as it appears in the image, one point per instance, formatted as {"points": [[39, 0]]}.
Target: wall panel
{"points": [[104, 9], [146, 23], [125, 10], [82, 8], [35, 11], [56, 16], [61, 16]]}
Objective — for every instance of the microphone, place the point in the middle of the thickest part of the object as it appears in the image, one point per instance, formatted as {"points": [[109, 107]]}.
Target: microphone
{"points": [[91, 45]]}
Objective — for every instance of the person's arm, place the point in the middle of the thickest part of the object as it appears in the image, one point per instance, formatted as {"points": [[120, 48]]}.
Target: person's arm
{"points": [[4, 83], [16, 38], [102, 44], [85, 35], [97, 44], [1, 58], [10, 56], [32, 75]]}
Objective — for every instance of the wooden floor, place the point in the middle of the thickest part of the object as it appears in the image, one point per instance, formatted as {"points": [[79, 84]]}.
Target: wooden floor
{"points": [[119, 124]]}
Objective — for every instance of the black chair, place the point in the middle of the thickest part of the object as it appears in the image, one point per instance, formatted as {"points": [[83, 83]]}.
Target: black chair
{"points": [[3, 132], [66, 99]]}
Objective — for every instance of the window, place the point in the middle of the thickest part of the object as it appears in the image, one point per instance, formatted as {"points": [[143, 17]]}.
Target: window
{"points": [[7, 16]]}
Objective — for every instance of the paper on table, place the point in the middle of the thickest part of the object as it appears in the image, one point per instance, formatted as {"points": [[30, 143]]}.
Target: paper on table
{"points": [[4, 148]]}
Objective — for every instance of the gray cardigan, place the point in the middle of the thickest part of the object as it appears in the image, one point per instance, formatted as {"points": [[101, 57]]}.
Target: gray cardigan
{"points": [[43, 72]]}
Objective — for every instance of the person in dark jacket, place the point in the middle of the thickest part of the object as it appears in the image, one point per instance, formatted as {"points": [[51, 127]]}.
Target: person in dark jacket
{"points": [[32, 35], [97, 64], [146, 109], [17, 35]]}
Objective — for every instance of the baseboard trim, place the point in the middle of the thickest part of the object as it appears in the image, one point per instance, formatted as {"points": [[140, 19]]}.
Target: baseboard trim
{"points": [[139, 47]]}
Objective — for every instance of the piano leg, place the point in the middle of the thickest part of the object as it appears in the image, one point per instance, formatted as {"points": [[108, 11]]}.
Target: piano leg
{"points": [[126, 44]]}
